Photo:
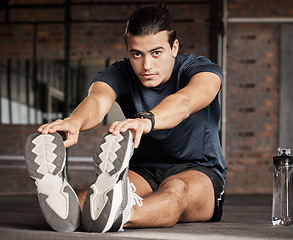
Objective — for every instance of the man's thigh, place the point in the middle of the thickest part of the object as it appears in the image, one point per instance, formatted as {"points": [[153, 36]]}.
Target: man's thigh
{"points": [[200, 195], [142, 186]]}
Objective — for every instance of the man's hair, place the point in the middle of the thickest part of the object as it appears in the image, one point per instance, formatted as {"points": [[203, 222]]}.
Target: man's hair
{"points": [[151, 20]]}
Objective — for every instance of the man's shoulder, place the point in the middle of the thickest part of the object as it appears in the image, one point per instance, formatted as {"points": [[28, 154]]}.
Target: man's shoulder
{"points": [[121, 64], [119, 68], [189, 65], [190, 61], [182, 58]]}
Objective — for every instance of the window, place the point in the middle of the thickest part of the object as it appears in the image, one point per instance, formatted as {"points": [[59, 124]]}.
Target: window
{"points": [[33, 93]]}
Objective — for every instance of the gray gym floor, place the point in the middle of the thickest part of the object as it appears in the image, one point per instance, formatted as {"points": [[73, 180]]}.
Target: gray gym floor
{"points": [[245, 217]]}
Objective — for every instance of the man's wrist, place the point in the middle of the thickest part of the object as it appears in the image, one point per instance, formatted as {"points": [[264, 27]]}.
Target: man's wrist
{"points": [[74, 121], [147, 115]]}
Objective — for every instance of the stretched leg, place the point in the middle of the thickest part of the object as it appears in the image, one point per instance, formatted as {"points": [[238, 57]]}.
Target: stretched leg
{"points": [[107, 205], [184, 197], [45, 159]]}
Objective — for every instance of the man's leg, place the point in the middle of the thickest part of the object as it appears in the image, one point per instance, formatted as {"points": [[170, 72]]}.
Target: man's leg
{"points": [[184, 197], [143, 189], [45, 160], [108, 203]]}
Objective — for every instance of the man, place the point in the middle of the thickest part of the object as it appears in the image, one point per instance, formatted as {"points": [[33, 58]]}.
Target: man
{"points": [[174, 169]]}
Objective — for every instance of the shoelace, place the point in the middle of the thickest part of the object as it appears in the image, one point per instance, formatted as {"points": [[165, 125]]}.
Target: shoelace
{"points": [[137, 199]]}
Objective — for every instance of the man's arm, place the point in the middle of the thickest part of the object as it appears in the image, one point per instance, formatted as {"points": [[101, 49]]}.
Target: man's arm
{"points": [[90, 112], [198, 94]]}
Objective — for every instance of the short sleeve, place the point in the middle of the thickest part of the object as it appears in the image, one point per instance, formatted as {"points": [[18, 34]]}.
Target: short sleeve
{"points": [[116, 76], [199, 64]]}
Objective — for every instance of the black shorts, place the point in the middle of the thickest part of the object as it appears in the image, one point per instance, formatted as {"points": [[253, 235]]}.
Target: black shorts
{"points": [[155, 177]]}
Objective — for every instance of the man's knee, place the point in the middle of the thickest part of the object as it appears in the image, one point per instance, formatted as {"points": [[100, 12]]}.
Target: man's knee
{"points": [[177, 188], [174, 183], [175, 191]]}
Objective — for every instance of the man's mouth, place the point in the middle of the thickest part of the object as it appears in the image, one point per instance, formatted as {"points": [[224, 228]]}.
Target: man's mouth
{"points": [[148, 76]]}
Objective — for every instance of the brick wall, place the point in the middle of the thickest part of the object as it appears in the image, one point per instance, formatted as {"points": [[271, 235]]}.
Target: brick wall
{"points": [[252, 106], [253, 94], [260, 8]]}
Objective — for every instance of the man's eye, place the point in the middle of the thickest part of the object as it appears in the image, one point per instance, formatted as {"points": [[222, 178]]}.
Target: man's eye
{"points": [[136, 54], [157, 53]]}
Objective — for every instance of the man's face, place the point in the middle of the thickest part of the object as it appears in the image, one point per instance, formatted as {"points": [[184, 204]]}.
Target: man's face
{"points": [[152, 58]]}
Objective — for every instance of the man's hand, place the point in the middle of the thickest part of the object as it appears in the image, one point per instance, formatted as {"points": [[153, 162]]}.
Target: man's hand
{"points": [[69, 126], [137, 126]]}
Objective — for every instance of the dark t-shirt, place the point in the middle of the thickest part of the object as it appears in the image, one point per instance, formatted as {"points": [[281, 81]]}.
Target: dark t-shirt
{"points": [[194, 140]]}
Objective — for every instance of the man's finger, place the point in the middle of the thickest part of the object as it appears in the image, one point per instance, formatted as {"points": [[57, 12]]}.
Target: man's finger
{"points": [[137, 138], [69, 142]]}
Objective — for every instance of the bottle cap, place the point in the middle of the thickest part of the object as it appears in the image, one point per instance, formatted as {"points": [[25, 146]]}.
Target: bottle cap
{"points": [[284, 151]]}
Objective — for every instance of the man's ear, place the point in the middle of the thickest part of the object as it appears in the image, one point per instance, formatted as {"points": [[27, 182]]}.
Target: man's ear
{"points": [[175, 48]]}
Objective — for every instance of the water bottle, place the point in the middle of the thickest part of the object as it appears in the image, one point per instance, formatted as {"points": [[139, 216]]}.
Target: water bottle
{"points": [[282, 212]]}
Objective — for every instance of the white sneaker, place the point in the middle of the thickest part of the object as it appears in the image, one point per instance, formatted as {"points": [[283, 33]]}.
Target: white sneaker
{"points": [[123, 216], [108, 196], [45, 159]]}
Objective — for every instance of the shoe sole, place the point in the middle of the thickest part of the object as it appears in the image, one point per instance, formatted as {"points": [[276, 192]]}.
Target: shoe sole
{"points": [[45, 159], [104, 200]]}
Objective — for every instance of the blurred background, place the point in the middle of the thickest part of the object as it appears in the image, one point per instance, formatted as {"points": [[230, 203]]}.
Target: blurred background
{"points": [[50, 51]]}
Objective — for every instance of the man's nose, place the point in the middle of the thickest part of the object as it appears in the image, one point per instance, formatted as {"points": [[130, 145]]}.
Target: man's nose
{"points": [[148, 64]]}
